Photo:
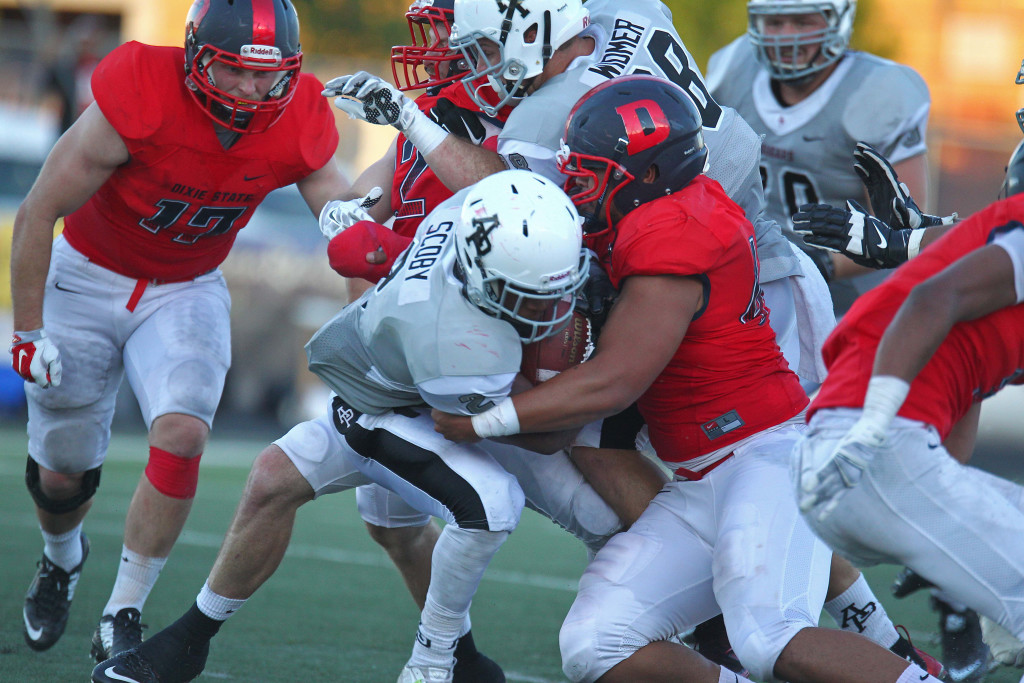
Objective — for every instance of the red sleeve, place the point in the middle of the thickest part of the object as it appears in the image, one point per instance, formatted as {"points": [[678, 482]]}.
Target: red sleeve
{"points": [[347, 251], [318, 133], [124, 78]]}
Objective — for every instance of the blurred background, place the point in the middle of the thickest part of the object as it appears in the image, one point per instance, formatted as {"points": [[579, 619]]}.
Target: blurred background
{"points": [[968, 51]]}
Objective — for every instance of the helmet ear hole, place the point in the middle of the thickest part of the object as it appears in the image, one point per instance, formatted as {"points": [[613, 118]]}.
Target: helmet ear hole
{"points": [[652, 174]]}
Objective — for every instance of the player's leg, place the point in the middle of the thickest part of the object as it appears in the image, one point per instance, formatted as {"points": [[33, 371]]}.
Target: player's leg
{"points": [[461, 484], [770, 602], [69, 431], [408, 536], [309, 461], [645, 585], [176, 358]]}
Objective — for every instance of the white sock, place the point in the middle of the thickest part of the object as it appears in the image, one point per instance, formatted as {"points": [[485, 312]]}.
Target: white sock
{"points": [[858, 610], [727, 676], [217, 606], [915, 674], [136, 576], [457, 565], [64, 550]]}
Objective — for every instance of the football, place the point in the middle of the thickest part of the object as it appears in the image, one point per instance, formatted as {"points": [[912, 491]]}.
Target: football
{"points": [[546, 358]]}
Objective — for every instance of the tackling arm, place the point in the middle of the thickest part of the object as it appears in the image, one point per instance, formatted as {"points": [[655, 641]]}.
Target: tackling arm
{"points": [[623, 365], [81, 161], [323, 185]]}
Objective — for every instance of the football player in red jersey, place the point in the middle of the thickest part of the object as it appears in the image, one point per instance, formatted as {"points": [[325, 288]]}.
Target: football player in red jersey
{"points": [[154, 181], [908, 369], [722, 408]]}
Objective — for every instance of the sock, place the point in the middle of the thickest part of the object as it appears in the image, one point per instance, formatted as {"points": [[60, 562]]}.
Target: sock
{"points": [[217, 606], [64, 550], [458, 563], [858, 610], [136, 576], [727, 676], [915, 674]]}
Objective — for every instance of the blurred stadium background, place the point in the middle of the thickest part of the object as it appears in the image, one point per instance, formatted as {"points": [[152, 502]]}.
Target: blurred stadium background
{"points": [[968, 51]]}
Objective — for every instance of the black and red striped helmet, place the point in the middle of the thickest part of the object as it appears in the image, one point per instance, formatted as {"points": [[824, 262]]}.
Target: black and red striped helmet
{"points": [[258, 35]]}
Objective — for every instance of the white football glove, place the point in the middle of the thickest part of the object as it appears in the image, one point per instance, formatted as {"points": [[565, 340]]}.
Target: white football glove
{"points": [[843, 469], [370, 98], [36, 358], [339, 215]]}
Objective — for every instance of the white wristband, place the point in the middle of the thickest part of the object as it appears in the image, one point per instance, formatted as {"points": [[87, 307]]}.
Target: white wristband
{"points": [[882, 401], [423, 133], [501, 420], [914, 243]]}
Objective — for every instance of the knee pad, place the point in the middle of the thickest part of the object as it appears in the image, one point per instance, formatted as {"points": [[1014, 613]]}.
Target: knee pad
{"points": [[759, 654], [173, 475], [90, 482], [577, 641]]}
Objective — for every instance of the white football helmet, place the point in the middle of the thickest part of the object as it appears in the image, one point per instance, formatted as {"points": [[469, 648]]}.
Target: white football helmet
{"points": [[526, 32], [780, 54], [519, 244]]}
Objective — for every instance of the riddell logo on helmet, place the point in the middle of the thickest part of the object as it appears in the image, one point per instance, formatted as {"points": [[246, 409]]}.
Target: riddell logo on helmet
{"points": [[262, 54]]}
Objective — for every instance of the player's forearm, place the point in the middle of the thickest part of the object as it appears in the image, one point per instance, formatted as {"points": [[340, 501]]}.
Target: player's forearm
{"points": [[30, 263], [576, 397], [458, 163]]}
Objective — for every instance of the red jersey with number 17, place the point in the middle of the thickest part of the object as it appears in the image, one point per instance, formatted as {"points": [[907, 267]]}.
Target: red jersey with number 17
{"points": [[728, 379], [172, 211], [976, 359]]}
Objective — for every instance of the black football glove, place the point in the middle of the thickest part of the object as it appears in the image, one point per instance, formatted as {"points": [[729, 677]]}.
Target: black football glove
{"points": [[890, 199], [853, 233], [459, 121], [596, 297]]}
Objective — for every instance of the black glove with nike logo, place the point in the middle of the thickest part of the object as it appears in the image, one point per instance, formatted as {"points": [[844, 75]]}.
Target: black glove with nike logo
{"points": [[890, 199], [852, 232]]}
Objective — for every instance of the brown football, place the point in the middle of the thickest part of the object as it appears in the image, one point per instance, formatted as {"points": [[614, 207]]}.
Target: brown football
{"points": [[546, 358]]}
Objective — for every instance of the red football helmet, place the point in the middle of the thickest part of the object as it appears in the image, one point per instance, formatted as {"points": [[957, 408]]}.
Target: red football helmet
{"points": [[256, 35], [427, 62]]}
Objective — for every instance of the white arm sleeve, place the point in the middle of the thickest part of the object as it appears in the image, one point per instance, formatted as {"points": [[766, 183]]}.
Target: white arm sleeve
{"points": [[1013, 243], [466, 395]]}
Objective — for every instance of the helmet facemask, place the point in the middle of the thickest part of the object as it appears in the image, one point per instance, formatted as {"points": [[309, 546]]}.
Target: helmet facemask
{"points": [[427, 62], [519, 253], [602, 179], [796, 57]]}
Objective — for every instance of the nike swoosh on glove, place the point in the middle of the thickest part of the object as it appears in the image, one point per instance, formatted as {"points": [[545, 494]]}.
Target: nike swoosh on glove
{"points": [[339, 215], [36, 358], [852, 232]]}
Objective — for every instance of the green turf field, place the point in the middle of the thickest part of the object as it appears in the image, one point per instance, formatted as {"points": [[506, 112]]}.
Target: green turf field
{"points": [[336, 610]]}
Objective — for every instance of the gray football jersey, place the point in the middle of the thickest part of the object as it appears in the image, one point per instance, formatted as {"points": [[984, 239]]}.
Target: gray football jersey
{"points": [[413, 326], [638, 37], [807, 149]]}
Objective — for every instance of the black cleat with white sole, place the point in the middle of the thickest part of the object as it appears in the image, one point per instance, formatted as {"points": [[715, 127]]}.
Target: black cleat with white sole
{"points": [[48, 600]]}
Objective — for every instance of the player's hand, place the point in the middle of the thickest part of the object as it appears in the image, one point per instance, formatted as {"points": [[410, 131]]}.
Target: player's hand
{"points": [[339, 215], [457, 428], [459, 121], [852, 232], [36, 358], [596, 297], [370, 98], [822, 483], [890, 199]]}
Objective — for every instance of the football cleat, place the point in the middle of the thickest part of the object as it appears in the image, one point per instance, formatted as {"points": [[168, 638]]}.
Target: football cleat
{"points": [[164, 658], [904, 648], [425, 674], [711, 640], [117, 633], [48, 600], [964, 653], [908, 581]]}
